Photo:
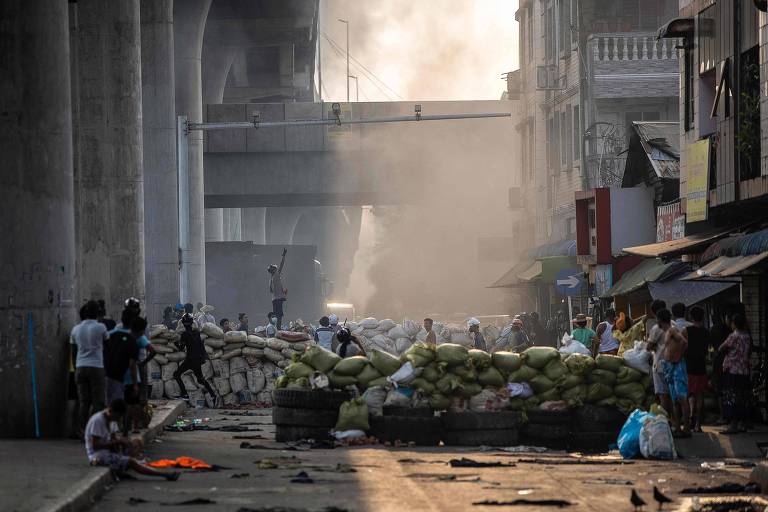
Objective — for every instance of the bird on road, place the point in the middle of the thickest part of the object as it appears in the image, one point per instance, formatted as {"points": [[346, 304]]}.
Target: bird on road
{"points": [[636, 500], [660, 498]]}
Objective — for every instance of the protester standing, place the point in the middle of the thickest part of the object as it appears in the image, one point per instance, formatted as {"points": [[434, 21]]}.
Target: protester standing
{"points": [[87, 339], [324, 334], [271, 329], [696, 362], [348, 344], [607, 342], [278, 291], [656, 341], [121, 354], [196, 355], [478, 340], [736, 384], [431, 336], [242, 324], [582, 333], [224, 324]]}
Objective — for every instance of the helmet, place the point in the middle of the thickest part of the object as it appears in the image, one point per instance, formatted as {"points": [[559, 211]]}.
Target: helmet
{"points": [[344, 336], [132, 303], [473, 321], [333, 319], [187, 319], [272, 268]]}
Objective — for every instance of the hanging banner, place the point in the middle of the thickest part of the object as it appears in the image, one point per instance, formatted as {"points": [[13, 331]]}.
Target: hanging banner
{"points": [[670, 222], [697, 186]]}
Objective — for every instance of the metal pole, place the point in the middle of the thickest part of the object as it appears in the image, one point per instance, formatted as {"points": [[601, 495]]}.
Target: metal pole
{"points": [[570, 314], [347, 24], [320, 50], [357, 88], [182, 144]]}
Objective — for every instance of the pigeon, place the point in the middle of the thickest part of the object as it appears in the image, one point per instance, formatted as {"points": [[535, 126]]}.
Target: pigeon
{"points": [[660, 498], [636, 500]]}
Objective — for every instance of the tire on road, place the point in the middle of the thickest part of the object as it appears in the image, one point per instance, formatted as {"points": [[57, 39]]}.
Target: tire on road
{"points": [[287, 433], [422, 431], [501, 420], [550, 436], [593, 442], [309, 399], [595, 418], [507, 437], [410, 412], [305, 417], [539, 417]]}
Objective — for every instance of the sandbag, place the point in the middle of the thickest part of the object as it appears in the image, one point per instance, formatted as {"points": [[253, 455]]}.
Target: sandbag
{"points": [[385, 325], [467, 373], [423, 385], [523, 374], [340, 381], [212, 330], [381, 382], [439, 402], [570, 381], [232, 354], [249, 352], [491, 377], [580, 364], [374, 398], [609, 363], [319, 358], [255, 341], [578, 392], [607, 402], [273, 355], [236, 337], [154, 372], [220, 368], [168, 370], [295, 371], [531, 403], [397, 332], [161, 360], [555, 370], [432, 372], [597, 392], [164, 349], [384, 343], [469, 389], [172, 389], [368, 323], [238, 382], [452, 354], [480, 358], [449, 384], [402, 344], [411, 328], [208, 350], [189, 381], [299, 346], [507, 362], [222, 385], [633, 391], [385, 363], [516, 404], [229, 347], [627, 375], [256, 380], [237, 365], [540, 384], [549, 396], [367, 374], [292, 336], [351, 365], [229, 399], [156, 330], [276, 344], [420, 355], [489, 400], [603, 377], [539, 357], [157, 390], [176, 356], [214, 343]]}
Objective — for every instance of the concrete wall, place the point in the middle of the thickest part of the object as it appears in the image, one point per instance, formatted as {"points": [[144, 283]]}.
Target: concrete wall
{"points": [[633, 218]]}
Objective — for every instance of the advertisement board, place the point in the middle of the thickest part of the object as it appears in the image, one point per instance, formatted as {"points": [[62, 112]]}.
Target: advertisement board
{"points": [[697, 186]]}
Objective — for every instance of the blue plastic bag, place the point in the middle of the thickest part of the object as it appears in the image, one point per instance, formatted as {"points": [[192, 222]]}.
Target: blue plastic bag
{"points": [[629, 437]]}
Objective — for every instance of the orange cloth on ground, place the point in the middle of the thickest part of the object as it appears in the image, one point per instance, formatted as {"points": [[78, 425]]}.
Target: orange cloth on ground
{"points": [[180, 462]]}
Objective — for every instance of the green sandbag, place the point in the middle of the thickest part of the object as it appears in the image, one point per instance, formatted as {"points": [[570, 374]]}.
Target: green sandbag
{"points": [[432, 372], [633, 391], [295, 371], [480, 359], [549, 396], [439, 402], [423, 385], [368, 374], [539, 357], [452, 354], [340, 381], [602, 377], [597, 392], [491, 377], [578, 392], [353, 415], [580, 364], [531, 402], [607, 402], [626, 405], [281, 382], [302, 383], [385, 363], [523, 374], [420, 355], [627, 375], [609, 363], [540, 384], [555, 370], [320, 359], [381, 381], [449, 384], [516, 404], [506, 362], [647, 381], [351, 366], [570, 381], [467, 373], [470, 389]]}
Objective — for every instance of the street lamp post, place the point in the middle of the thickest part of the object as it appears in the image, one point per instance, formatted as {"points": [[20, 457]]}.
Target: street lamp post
{"points": [[357, 88], [347, 24]]}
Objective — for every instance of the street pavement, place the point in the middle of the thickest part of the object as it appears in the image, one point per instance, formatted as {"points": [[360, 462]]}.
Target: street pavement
{"points": [[392, 479]]}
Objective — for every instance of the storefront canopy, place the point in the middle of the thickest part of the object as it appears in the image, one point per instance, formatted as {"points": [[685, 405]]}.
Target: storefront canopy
{"points": [[687, 292], [510, 279], [532, 272], [648, 271], [562, 248], [687, 244], [725, 266]]}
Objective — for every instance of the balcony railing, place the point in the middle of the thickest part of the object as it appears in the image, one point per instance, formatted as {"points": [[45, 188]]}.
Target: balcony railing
{"points": [[628, 46]]}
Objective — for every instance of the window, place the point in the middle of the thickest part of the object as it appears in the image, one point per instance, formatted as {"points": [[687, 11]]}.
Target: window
{"points": [[689, 98], [707, 89], [574, 22], [592, 219], [555, 147], [564, 43], [576, 133], [564, 140], [531, 150]]}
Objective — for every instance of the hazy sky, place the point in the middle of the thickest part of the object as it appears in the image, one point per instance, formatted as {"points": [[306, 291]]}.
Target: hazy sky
{"points": [[421, 49]]}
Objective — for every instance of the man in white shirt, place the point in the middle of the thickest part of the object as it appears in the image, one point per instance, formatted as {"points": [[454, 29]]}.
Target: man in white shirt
{"points": [[104, 448], [324, 334], [87, 339]]}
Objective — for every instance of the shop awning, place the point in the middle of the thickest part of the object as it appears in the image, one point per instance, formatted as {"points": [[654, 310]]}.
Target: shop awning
{"points": [[687, 292], [561, 248], [725, 266], [680, 246], [510, 279], [648, 271], [532, 272]]}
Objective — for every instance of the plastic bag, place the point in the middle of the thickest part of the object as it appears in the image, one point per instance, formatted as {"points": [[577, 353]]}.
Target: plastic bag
{"points": [[348, 434], [374, 397], [638, 358], [397, 398], [489, 400], [404, 375], [572, 346], [353, 415], [519, 390], [629, 436], [656, 440]]}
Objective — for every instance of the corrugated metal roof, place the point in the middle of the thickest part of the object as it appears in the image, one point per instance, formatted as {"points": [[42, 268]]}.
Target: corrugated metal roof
{"points": [[647, 271], [742, 245], [726, 266], [687, 292], [683, 245], [661, 142]]}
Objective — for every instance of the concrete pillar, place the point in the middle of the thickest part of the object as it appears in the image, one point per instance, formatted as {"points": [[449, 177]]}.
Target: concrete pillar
{"points": [[280, 223], [161, 227], [188, 24], [217, 61], [254, 225], [110, 215], [214, 224], [36, 204], [232, 225]]}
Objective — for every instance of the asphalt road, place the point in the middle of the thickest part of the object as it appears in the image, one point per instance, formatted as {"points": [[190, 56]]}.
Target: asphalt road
{"points": [[388, 479]]}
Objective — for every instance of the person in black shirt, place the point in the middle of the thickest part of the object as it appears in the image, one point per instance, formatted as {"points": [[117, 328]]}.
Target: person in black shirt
{"points": [[121, 353], [196, 356], [699, 342]]}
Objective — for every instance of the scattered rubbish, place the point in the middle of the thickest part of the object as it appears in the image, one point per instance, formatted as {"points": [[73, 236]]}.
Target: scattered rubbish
{"points": [[136, 501], [182, 462], [591, 462], [420, 461], [253, 437], [727, 488], [193, 501], [713, 465], [525, 492], [251, 446], [608, 481], [523, 503], [289, 509], [515, 449], [278, 463], [240, 475], [729, 504], [442, 477], [302, 478], [469, 463]]}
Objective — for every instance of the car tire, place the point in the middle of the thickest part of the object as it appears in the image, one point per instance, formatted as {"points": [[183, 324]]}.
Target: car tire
{"points": [[508, 437], [287, 433], [422, 431], [309, 399], [588, 417], [539, 417], [409, 412], [501, 420], [592, 442], [305, 417]]}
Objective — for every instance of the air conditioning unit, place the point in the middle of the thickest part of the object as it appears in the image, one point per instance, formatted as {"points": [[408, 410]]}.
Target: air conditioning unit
{"points": [[547, 77], [515, 198]]}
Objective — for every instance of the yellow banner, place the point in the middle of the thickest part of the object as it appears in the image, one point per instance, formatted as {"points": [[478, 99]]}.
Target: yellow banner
{"points": [[697, 186]]}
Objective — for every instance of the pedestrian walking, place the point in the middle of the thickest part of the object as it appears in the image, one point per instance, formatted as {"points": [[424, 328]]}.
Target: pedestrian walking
{"points": [[676, 378], [736, 384], [582, 333], [678, 317], [606, 341], [324, 334], [121, 354], [205, 316], [196, 355], [278, 291], [515, 339], [656, 341], [478, 340], [87, 339], [696, 362]]}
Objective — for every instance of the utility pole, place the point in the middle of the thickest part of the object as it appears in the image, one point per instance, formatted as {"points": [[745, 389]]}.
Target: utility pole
{"points": [[357, 88], [347, 24]]}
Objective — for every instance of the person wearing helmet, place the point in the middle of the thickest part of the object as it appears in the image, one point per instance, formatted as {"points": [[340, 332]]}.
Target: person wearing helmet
{"points": [[348, 344], [195, 358], [276, 288], [473, 326], [133, 303]]}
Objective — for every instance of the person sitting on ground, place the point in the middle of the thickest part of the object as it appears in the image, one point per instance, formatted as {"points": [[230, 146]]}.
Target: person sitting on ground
{"points": [[478, 340], [582, 333], [271, 325], [242, 322], [736, 384], [696, 363], [324, 334], [431, 336], [656, 342], [676, 377], [224, 324], [348, 344], [104, 448], [195, 357]]}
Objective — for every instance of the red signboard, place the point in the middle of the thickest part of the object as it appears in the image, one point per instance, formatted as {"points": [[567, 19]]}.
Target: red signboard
{"points": [[670, 222]]}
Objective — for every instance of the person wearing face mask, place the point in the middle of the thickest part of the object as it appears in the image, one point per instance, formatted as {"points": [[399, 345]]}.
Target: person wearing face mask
{"points": [[272, 325]]}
